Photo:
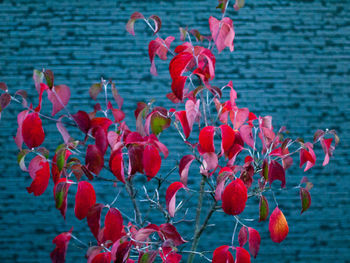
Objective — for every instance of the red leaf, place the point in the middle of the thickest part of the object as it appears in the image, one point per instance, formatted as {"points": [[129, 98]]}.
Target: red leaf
{"points": [[93, 219], [101, 122], [135, 159], [307, 156], [278, 226], [60, 192], [168, 255], [276, 172], [254, 241], [59, 96], [184, 166], [178, 85], [151, 161], [206, 139], [242, 255], [160, 146], [19, 137], [170, 232], [182, 118], [85, 198], [118, 115], [32, 130], [100, 139], [113, 225], [3, 86], [305, 198], [116, 164], [242, 236], [104, 257], [83, 121], [227, 139], [170, 197], [39, 171], [179, 64], [130, 25], [222, 255], [327, 148], [94, 160], [234, 197], [263, 208], [58, 255], [222, 33]]}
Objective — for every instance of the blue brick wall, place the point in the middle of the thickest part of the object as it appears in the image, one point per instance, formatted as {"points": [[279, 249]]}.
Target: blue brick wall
{"points": [[291, 60]]}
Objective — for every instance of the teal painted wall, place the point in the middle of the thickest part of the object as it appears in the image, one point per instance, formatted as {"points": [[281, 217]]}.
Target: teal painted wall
{"points": [[291, 61]]}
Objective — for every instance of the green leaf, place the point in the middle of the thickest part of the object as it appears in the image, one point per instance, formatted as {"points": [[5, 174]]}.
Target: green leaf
{"points": [[265, 170], [159, 123], [20, 159], [263, 209], [305, 198], [94, 90], [49, 78], [60, 156]]}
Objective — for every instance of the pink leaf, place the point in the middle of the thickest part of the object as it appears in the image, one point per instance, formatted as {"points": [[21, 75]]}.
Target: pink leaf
{"points": [[130, 25], [58, 255], [170, 197], [151, 161], [32, 130], [63, 131], [192, 112], [278, 226], [222, 255], [85, 198], [234, 197], [143, 233], [206, 139], [113, 225], [93, 219], [239, 117], [220, 181], [210, 161], [59, 97], [157, 47], [19, 137], [116, 164], [327, 148], [254, 241], [39, 171], [247, 135], [222, 33], [94, 160], [170, 233], [242, 236], [276, 172], [184, 166]]}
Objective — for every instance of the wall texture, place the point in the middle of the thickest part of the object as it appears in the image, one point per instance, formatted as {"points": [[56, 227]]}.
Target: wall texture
{"points": [[291, 61]]}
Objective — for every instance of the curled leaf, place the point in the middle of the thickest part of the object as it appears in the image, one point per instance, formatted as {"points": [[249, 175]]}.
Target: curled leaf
{"points": [[130, 25], [222, 33], [151, 161], [184, 166], [58, 255], [276, 172], [93, 219], [157, 23], [32, 130], [254, 241], [170, 197], [39, 171], [222, 255], [116, 164], [59, 96]]}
